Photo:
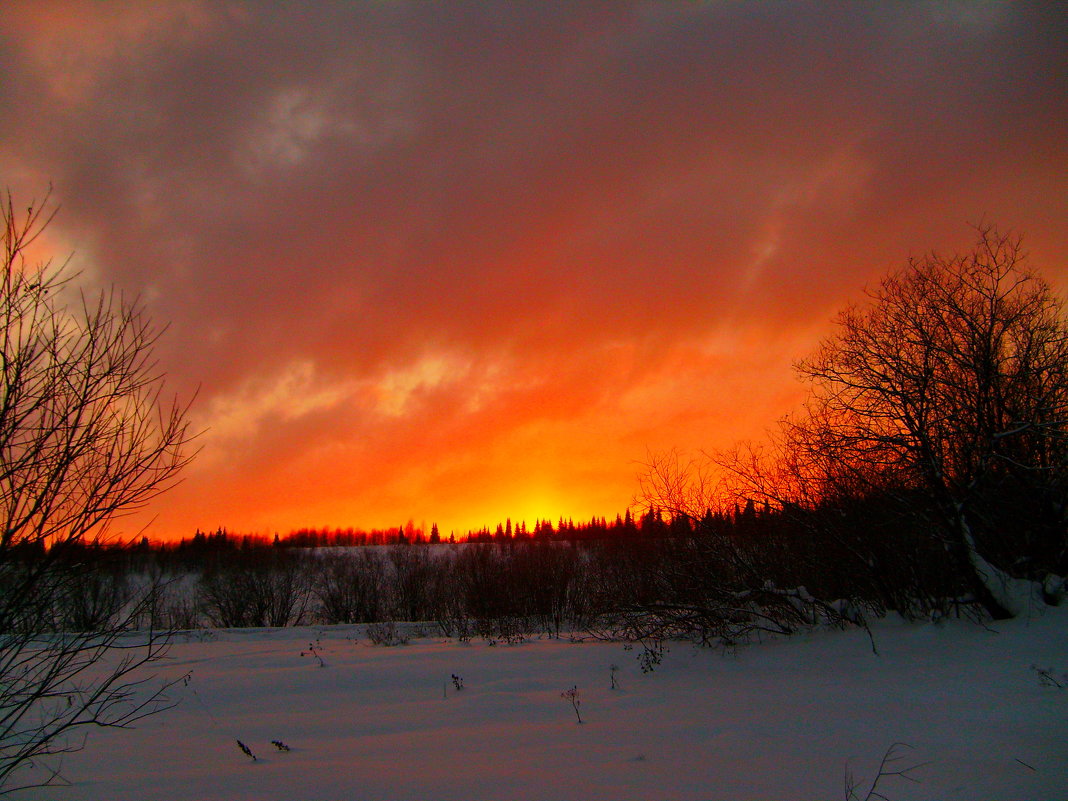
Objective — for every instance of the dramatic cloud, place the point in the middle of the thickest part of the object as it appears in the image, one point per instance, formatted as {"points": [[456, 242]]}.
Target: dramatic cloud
{"points": [[459, 261]]}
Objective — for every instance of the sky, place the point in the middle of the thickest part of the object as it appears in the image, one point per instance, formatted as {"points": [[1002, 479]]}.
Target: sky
{"points": [[457, 262]]}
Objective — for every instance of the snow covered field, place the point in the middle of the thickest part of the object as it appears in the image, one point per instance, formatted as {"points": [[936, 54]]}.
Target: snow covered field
{"points": [[779, 720]]}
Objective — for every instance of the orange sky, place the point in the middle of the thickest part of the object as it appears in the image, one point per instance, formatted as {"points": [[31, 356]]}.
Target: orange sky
{"points": [[458, 262]]}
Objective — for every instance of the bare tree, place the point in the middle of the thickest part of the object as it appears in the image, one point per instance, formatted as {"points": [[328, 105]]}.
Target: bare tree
{"points": [[951, 388], [929, 463], [85, 437]]}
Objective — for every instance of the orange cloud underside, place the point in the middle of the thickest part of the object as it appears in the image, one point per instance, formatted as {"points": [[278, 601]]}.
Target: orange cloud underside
{"points": [[559, 445]]}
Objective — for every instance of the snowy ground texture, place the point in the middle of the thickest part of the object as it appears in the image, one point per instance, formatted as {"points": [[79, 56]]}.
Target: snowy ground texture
{"points": [[779, 720]]}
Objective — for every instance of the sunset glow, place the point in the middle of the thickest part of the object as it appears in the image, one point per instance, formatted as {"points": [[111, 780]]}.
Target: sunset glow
{"points": [[458, 263]]}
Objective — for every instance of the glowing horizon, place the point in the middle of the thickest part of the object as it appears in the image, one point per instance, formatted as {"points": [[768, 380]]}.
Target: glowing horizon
{"points": [[457, 263]]}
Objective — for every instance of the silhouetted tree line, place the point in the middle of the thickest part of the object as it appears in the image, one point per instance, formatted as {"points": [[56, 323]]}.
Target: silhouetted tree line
{"points": [[204, 546], [548, 579], [926, 474]]}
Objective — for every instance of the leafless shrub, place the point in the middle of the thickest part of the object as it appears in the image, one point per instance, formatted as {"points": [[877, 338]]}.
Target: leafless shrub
{"points": [[387, 634], [413, 572], [350, 587], [92, 598], [259, 588]]}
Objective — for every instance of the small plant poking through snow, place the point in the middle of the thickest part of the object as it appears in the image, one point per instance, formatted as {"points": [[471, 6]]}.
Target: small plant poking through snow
{"points": [[886, 770], [279, 745], [651, 656], [612, 670], [1047, 679], [457, 682], [572, 697], [313, 650], [247, 751]]}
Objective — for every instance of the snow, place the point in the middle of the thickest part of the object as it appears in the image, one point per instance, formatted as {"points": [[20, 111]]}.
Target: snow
{"points": [[784, 719], [1016, 596]]}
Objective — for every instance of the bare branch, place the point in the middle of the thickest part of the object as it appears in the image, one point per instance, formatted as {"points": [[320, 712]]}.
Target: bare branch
{"points": [[86, 437]]}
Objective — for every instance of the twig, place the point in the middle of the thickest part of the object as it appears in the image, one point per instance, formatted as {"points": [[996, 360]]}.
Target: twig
{"points": [[891, 756]]}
